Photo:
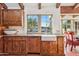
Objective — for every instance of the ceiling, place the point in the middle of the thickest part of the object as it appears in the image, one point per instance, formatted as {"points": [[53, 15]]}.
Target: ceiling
{"points": [[12, 5], [67, 4], [16, 6]]}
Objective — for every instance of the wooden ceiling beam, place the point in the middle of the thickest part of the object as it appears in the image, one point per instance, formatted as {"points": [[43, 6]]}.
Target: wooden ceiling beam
{"points": [[21, 5], [4, 5], [68, 9], [39, 5], [75, 5], [57, 5]]}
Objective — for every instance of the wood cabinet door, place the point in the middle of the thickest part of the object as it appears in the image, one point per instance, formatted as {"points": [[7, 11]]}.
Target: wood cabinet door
{"points": [[19, 45], [49, 48], [45, 48], [60, 45], [16, 47], [7, 45], [33, 44], [53, 48], [1, 45], [12, 17], [0, 16], [22, 44]]}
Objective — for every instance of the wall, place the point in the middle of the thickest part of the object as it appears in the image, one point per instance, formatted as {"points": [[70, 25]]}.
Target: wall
{"points": [[33, 9], [56, 21]]}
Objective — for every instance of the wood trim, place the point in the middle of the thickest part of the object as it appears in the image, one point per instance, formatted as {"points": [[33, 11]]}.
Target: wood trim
{"points": [[4, 5], [68, 10], [57, 5], [21, 5], [39, 5]]}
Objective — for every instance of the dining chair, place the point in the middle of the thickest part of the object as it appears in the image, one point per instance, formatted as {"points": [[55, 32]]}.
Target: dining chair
{"points": [[71, 40]]}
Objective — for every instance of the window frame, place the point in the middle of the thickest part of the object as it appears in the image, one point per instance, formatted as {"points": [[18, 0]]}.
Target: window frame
{"points": [[39, 23]]}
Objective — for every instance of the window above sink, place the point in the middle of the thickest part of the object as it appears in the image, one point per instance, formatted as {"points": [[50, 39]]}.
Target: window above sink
{"points": [[39, 24]]}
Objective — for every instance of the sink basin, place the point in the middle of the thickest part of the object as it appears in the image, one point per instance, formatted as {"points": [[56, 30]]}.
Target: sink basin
{"points": [[48, 38], [10, 31]]}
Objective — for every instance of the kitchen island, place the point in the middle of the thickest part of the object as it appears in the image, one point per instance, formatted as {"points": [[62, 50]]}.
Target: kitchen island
{"points": [[33, 44]]}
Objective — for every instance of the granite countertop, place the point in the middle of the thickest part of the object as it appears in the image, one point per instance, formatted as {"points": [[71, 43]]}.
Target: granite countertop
{"points": [[32, 35], [16, 35], [43, 37]]}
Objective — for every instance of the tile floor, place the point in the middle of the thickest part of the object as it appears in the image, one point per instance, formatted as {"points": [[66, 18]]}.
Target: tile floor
{"points": [[75, 51]]}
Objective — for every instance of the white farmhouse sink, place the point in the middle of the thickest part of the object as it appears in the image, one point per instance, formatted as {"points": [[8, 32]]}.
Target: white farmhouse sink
{"points": [[10, 31], [48, 37]]}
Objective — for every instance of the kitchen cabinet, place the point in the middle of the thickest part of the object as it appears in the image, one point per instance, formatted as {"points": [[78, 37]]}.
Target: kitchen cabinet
{"points": [[48, 48], [0, 17], [60, 45], [7, 45], [19, 45], [45, 47], [15, 45], [12, 17], [34, 44], [1, 44], [24, 45], [53, 47]]}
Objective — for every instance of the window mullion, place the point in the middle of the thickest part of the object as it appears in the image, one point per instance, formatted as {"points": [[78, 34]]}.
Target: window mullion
{"points": [[39, 24]]}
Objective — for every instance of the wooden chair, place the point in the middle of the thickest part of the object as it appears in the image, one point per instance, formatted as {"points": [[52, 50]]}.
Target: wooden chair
{"points": [[70, 40]]}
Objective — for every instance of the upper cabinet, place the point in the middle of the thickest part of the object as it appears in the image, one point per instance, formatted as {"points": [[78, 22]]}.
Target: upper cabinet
{"points": [[13, 17], [0, 16]]}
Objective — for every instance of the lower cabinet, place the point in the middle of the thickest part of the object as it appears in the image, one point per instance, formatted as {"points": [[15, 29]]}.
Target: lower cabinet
{"points": [[45, 48], [34, 44], [19, 45], [8, 45], [24, 45], [1, 45], [48, 48], [15, 45], [53, 47], [60, 40]]}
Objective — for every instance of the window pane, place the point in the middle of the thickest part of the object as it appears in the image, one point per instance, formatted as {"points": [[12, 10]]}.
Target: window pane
{"points": [[66, 24], [32, 24], [46, 23]]}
